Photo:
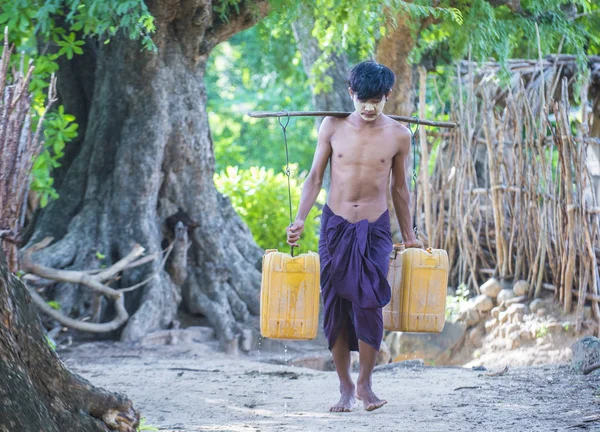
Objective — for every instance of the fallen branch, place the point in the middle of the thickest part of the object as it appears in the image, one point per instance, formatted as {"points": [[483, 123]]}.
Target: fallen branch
{"points": [[77, 277], [92, 281], [117, 322], [144, 282]]}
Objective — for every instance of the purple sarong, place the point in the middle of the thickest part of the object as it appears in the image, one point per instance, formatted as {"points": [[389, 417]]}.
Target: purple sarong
{"points": [[354, 265]]}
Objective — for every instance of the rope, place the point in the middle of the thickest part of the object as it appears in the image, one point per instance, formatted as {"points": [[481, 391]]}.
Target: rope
{"points": [[414, 175], [287, 165]]}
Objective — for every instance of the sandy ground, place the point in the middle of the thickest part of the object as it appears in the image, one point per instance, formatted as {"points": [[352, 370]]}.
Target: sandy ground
{"points": [[194, 387]]}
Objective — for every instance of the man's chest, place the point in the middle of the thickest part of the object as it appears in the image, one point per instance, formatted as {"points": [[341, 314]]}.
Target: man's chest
{"points": [[374, 150]]}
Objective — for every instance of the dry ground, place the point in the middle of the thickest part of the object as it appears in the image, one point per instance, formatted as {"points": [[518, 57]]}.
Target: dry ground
{"points": [[194, 387]]}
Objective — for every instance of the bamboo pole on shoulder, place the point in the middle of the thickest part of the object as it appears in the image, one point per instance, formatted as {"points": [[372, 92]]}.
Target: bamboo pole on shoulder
{"points": [[341, 114]]}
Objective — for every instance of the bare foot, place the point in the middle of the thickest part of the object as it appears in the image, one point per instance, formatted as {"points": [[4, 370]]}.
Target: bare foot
{"points": [[368, 398], [346, 400]]}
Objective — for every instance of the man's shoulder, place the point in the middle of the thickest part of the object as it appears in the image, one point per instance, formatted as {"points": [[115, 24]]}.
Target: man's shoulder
{"points": [[397, 128], [333, 121], [330, 124]]}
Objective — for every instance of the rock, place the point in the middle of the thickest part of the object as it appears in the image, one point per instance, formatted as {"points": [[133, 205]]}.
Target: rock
{"points": [[483, 303], [535, 305], [521, 288], [513, 328], [490, 324], [517, 311], [383, 356], [526, 335], [586, 353], [427, 346], [554, 326], [475, 336], [503, 317], [491, 288], [470, 317], [505, 294], [246, 340], [541, 312], [496, 311], [520, 299], [322, 362], [513, 340]]}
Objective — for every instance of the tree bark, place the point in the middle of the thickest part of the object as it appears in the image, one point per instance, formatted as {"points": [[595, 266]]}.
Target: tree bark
{"points": [[146, 155], [393, 51], [38, 393]]}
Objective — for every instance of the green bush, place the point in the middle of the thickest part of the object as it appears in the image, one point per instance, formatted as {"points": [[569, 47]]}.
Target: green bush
{"points": [[260, 197]]}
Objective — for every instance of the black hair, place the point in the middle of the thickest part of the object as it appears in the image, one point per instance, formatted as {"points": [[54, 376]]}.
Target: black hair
{"points": [[370, 80]]}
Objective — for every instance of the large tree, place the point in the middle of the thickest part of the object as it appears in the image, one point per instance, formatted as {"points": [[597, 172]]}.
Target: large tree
{"points": [[146, 154], [38, 393]]}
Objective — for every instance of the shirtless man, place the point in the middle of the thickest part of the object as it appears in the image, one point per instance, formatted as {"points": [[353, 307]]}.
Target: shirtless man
{"points": [[364, 149]]}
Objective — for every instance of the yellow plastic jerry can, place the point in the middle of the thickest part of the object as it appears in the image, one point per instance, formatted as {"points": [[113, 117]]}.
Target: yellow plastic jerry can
{"points": [[419, 282], [289, 297]]}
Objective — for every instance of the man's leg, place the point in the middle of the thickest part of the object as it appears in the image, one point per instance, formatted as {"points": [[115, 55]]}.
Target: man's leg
{"points": [[342, 360], [368, 355]]}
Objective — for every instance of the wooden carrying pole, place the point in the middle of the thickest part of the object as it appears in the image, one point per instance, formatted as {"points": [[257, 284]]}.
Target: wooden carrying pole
{"points": [[263, 114]]}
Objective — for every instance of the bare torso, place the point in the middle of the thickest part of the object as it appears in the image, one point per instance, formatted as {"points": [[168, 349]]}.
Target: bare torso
{"points": [[361, 159]]}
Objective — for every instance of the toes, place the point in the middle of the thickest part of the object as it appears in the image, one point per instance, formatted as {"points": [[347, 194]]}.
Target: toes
{"points": [[375, 405], [340, 408]]}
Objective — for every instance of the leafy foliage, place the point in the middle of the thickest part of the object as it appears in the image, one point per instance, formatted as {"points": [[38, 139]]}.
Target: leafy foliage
{"points": [[455, 304], [44, 31], [271, 79], [502, 33], [145, 426], [260, 197]]}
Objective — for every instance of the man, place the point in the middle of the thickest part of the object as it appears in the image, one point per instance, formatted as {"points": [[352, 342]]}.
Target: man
{"points": [[355, 243]]}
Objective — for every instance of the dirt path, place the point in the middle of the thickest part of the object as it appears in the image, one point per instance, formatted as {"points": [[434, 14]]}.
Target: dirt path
{"points": [[196, 388]]}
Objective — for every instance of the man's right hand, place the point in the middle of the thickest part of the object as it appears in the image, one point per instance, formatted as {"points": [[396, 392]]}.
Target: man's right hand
{"points": [[416, 243], [294, 231]]}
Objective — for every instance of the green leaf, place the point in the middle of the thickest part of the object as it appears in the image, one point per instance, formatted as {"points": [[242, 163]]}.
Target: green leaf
{"points": [[100, 256], [54, 305]]}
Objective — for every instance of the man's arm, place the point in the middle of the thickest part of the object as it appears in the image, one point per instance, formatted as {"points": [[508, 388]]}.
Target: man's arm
{"points": [[400, 193], [314, 180]]}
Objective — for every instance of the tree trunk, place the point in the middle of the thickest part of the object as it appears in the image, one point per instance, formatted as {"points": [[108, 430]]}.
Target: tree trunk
{"points": [[146, 155], [393, 51], [38, 393]]}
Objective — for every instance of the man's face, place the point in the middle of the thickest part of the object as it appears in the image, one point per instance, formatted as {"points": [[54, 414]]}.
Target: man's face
{"points": [[370, 109]]}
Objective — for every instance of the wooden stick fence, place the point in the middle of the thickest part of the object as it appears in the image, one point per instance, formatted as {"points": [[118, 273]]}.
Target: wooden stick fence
{"points": [[511, 194]]}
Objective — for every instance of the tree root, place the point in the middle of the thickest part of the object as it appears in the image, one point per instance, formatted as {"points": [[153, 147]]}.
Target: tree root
{"points": [[93, 280]]}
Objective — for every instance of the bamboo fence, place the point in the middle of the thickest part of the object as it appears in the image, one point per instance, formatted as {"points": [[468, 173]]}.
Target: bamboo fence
{"points": [[511, 195]]}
